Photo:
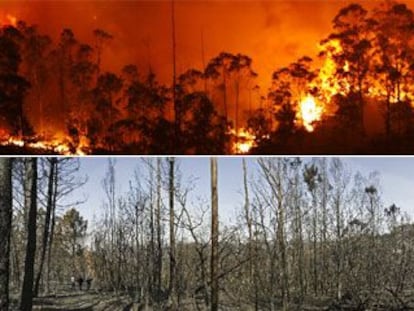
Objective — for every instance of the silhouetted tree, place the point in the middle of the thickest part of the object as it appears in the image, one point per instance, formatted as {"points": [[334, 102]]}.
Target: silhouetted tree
{"points": [[352, 31], [230, 71], [30, 201], [106, 100], [64, 61], [392, 64], [13, 87], [82, 75], [35, 48], [202, 130], [289, 87], [5, 229]]}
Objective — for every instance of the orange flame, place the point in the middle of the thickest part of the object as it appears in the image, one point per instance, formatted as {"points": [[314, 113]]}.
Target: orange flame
{"points": [[54, 146], [309, 112], [245, 141]]}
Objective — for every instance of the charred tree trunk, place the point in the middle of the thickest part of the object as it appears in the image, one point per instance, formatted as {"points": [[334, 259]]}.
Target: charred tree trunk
{"points": [[5, 229], [46, 230], [158, 256], [214, 236], [171, 285], [52, 226], [248, 218], [30, 197]]}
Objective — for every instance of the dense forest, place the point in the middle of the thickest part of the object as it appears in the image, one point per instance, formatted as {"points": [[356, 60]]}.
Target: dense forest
{"points": [[56, 97], [310, 234]]}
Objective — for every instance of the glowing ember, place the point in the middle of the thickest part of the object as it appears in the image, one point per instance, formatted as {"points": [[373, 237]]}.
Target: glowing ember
{"points": [[54, 146], [244, 141], [309, 112]]}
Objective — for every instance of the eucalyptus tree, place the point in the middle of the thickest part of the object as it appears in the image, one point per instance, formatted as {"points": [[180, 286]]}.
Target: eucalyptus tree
{"points": [[353, 34]]}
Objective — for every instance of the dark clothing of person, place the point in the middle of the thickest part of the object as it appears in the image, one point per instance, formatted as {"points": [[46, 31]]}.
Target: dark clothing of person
{"points": [[88, 283], [80, 282]]}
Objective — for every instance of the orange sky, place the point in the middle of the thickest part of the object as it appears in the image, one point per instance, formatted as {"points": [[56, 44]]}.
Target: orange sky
{"points": [[272, 32]]}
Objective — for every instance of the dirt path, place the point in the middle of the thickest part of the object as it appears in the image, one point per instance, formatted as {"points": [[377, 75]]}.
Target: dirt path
{"points": [[83, 301]]}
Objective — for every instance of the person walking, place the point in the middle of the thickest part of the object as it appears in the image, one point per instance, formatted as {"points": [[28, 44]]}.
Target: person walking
{"points": [[88, 283], [72, 282], [80, 282]]}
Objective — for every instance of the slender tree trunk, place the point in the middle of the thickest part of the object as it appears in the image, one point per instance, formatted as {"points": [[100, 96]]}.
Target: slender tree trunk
{"points": [[248, 218], [214, 236], [46, 230], [171, 285], [256, 264], [388, 115], [52, 227], [282, 249], [338, 248], [16, 273], [152, 255], [158, 266], [299, 238], [137, 255], [5, 229], [177, 116], [324, 233], [236, 121], [30, 199], [315, 263], [225, 93]]}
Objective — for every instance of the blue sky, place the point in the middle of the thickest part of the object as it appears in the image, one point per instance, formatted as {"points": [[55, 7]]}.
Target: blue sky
{"points": [[396, 174]]}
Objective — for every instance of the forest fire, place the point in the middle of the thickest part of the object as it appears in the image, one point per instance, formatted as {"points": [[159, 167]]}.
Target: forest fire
{"points": [[312, 109], [244, 141], [327, 78], [54, 146], [310, 112]]}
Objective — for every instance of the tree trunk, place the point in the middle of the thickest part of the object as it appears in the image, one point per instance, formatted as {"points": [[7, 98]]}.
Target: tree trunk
{"points": [[177, 114], [214, 235], [46, 230], [158, 257], [282, 248], [30, 198], [5, 229], [171, 285], [52, 226], [248, 218]]}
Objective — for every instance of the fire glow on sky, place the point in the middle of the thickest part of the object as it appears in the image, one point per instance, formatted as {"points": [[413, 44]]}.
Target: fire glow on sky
{"points": [[267, 34], [309, 113], [8, 19]]}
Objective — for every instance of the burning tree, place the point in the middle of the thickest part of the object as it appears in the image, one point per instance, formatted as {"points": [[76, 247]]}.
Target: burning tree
{"points": [[290, 95], [13, 87]]}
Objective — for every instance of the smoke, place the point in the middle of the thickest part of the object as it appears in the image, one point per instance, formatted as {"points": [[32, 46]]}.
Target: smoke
{"points": [[273, 33]]}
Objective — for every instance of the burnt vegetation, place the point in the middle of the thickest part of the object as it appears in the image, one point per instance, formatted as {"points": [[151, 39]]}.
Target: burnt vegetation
{"points": [[308, 235], [355, 97]]}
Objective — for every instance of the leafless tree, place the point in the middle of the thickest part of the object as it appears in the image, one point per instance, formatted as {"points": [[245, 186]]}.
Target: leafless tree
{"points": [[5, 229]]}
